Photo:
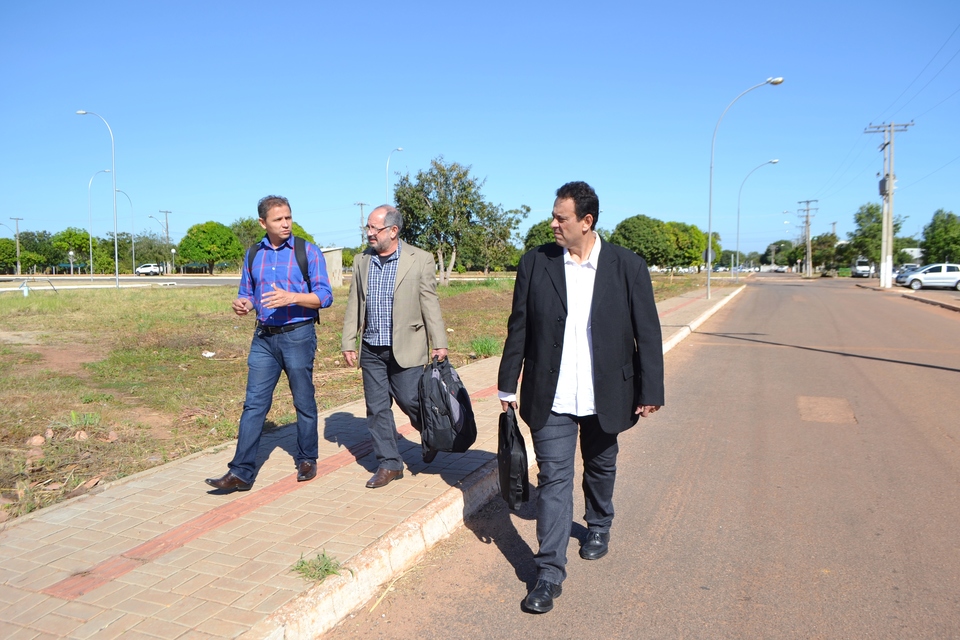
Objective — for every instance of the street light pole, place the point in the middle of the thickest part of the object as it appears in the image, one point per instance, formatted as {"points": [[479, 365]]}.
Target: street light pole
{"points": [[133, 242], [736, 277], [90, 214], [386, 184], [713, 144], [113, 173], [16, 223]]}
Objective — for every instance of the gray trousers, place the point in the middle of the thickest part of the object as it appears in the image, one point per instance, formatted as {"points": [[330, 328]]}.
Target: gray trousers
{"points": [[383, 382], [555, 445]]}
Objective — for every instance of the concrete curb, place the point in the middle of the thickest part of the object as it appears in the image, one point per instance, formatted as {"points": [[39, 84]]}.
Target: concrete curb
{"points": [[690, 328], [936, 303], [323, 606]]}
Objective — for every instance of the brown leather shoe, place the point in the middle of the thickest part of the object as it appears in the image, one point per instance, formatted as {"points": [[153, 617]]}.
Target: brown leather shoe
{"points": [[306, 470], [229, 482], [383, 477]]}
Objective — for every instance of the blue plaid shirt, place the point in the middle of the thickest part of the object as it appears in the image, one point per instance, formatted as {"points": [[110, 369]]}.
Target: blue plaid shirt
{"points": [[279, 266], [381, 278]]}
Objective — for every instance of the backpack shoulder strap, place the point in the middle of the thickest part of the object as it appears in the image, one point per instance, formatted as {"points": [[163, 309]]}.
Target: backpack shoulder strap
{"points": [[300, 250], [251, 254]]}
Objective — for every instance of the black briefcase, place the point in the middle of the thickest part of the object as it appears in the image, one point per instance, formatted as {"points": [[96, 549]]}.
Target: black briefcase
{"points": [[512, 460]]}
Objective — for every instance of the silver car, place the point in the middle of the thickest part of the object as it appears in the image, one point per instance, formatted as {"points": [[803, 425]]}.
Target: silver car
{"points": [[941, 274]]}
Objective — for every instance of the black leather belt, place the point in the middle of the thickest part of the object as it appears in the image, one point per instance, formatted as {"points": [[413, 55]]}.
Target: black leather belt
{"points": [[283, 328]]}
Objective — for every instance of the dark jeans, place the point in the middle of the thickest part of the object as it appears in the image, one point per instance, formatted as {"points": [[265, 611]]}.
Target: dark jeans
{"points": [[291, 353], [555, 445], [383, 382]]}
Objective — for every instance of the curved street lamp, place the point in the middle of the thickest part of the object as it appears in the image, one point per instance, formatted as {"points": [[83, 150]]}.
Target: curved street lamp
{"points": [[133, 241], [113, 160], [736, 277], [386, 184], [713, 145], [90, 214]]}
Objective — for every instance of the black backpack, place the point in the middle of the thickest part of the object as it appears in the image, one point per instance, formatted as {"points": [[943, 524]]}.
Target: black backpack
{"points": [[299, 250], [446, 414]]}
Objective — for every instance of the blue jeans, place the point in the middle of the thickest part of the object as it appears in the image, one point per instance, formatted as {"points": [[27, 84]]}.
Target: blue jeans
{"points": [[555, 445], [291, 353]]}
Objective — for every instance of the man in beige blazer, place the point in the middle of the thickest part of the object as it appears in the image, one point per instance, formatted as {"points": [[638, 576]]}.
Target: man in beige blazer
{"points": [[394, 314]]}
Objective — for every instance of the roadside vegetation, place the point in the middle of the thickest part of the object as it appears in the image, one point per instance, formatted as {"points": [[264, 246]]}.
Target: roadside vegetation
{"points": [[98, 384]]}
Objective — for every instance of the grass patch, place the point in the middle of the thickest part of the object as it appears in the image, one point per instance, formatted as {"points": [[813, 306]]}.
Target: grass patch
{"points": [[485, 346], [317, 569], [126, 367]]}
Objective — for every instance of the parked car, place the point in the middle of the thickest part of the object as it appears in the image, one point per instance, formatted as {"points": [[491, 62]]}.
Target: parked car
{"points": [[933, 275], [148, 270]]}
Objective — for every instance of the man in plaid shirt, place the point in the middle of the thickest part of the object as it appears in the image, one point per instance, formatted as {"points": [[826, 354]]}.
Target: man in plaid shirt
{"points": [[285, 340], [394, 311]]}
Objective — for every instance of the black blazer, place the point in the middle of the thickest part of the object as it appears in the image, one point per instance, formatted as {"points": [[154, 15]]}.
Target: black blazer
{"points": [[627, 346]]}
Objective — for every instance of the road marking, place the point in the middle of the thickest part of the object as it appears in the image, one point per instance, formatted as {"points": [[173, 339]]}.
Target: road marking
{"points": [[825, 409], [86, 581]]}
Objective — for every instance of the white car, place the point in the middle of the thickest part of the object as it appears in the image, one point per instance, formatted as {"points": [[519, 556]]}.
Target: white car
{"points": [[148, 270], [933, 275]]}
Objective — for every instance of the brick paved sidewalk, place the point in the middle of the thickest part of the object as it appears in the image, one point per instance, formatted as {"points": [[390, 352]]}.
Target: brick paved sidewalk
{"points": [[158, 555]]}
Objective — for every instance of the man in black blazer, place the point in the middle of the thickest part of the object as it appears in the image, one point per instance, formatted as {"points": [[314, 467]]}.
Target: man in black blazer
{"points": [[584, 329]]}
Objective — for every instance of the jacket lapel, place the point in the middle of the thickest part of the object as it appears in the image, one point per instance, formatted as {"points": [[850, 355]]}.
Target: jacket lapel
{"points": [[403, 265], [604, 280], [555, 272]]}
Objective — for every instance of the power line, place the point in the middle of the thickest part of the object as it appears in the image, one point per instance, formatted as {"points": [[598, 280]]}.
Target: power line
{"points": [[934, 57], [928, 83], [929, 174]]}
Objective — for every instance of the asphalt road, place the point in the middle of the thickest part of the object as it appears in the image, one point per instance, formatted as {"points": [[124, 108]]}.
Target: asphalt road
{"points": [[803, 481]]}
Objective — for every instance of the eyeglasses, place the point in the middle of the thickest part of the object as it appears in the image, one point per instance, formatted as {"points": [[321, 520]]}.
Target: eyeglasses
{"points": [[376, 230]]}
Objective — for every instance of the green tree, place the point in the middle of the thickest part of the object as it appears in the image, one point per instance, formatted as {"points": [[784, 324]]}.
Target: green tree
{"points": [[941, 238], [491, 244], [538, 234], [865, 239], [777, 253], [210, 243], [247, 230], [688, 244], [38, 242], [30, 261], [8, 255], [646, 236], [441, 208], [77, 240], [824, 248]]}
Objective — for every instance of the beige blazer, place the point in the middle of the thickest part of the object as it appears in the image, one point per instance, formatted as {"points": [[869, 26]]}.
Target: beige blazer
{"points": [[417, 323]]}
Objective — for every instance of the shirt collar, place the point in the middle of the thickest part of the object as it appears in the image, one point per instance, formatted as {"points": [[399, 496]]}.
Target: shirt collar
{"points": [[591, 260], [288, 243]]}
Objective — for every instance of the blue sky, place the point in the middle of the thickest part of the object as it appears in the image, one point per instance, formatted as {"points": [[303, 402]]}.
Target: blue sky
{"points": [[215, 104]]}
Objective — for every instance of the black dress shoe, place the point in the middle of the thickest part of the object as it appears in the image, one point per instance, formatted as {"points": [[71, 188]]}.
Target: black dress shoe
{"points": [[383, 477], [540, 600], [429, 454], [229, 482], [595, 546], [306, 470]]}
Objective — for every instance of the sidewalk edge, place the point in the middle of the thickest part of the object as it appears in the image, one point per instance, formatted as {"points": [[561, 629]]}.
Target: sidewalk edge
{"points": [[323, 606], [690, 328]]}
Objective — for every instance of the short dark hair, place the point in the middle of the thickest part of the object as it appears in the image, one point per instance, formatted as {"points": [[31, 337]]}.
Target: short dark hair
{"points": [[269, 202], [585, 200]]}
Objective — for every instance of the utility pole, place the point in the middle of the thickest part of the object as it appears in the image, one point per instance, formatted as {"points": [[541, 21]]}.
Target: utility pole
{"points": [[16, 223], [886, 191], [808, 266], [363, 221], [166, 230], [833, 228]]}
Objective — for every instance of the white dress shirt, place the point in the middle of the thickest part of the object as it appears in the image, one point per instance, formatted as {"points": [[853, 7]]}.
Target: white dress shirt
{"points": [[574, 393]]}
